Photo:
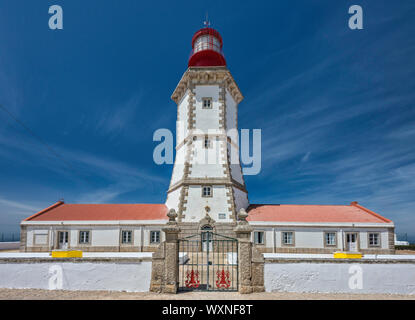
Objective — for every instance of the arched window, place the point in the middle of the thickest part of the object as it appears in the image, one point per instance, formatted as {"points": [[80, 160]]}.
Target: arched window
{"points": [[206, 233], [207, 228]]}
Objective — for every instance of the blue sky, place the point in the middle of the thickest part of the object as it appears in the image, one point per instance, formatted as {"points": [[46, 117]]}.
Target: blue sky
{"points": [[336, 106]]}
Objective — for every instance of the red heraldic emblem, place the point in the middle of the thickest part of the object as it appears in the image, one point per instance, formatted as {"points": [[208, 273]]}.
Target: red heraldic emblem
{"points": [[192, 279], [223, 279]]}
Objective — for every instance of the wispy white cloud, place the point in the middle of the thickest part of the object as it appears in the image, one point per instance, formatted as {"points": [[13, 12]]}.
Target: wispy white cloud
{"points": [[116, 119], [106, 194], [306, 156], [18, 205]]}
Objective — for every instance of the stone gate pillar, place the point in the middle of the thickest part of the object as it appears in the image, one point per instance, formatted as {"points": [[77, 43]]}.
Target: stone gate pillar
{"points": [[250, 261], [165, 266]]}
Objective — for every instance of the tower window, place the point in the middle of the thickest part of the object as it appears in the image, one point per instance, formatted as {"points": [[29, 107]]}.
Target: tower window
{"points": [[207, 143], [222, 215], [206, 191], [207, 103]]}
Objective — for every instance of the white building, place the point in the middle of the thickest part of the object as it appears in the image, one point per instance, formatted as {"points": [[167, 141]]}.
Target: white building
{"points": [[207, 187]]}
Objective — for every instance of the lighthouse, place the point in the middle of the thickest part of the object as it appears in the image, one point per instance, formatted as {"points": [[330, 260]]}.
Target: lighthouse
{"points": [[207, 187]]}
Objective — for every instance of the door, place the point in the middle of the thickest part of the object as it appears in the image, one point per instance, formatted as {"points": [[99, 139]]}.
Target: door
{"points": [[207, 241], [63, 240], [351, 242]]}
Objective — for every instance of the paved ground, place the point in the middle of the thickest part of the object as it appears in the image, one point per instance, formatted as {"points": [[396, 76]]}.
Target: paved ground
{"points": [[35, 294]]}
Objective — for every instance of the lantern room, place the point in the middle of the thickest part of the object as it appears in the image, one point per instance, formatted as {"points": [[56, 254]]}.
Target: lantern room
{"points": [[207, 49]]}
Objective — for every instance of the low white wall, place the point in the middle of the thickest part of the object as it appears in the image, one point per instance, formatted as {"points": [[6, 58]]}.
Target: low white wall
{"points": [[109, 276], [331, 277]]}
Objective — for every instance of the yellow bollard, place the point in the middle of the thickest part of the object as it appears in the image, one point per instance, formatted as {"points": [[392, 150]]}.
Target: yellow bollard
{"points": [[67, 254], [347, 255]]}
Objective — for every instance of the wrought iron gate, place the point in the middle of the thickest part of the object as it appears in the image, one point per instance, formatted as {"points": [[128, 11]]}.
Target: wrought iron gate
{"points": [[208, 262]]}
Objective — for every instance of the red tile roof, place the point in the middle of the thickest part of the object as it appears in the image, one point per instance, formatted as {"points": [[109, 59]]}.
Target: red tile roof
{"points": [[353, 213], [61, 211]]}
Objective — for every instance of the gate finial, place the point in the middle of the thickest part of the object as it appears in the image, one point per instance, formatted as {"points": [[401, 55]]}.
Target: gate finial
{"points": [[242, 215]]}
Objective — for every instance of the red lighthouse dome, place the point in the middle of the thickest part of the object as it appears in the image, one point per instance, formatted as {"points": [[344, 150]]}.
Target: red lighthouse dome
{"points": [[207, 49]]}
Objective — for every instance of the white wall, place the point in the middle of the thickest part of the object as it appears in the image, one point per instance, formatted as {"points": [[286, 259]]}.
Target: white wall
{"points": [[132, 277], [207, 119], [178, 169], [196, 203], [181, 125], [173, 199], [207, 163], [392, 278]]}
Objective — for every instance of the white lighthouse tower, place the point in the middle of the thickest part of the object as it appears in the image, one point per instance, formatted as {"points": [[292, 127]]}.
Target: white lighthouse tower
{"points": [[207, 181]]}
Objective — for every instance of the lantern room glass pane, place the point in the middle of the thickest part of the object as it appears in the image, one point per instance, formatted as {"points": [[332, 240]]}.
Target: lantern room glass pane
{"points": [[207, 42]]}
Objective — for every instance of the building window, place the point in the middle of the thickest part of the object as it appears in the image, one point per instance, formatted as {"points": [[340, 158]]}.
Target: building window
{"points": [[206, 191], [222, 215], [374, 239], [259, 237], [330, 238], [154, 236], [207, 103], [83, 237], [288, 238], [126, 236]]}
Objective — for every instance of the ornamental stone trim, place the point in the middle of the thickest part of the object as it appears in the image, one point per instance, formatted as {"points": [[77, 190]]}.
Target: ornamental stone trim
{"points": [[201, 181], [231, 202], [206, 76], [184, 191], [182, 200], [191, 108], [222, 107]]}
